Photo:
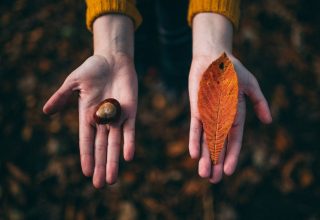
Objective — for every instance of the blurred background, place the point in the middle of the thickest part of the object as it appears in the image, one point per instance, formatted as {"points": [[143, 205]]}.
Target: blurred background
{"points": [[278, 172]]}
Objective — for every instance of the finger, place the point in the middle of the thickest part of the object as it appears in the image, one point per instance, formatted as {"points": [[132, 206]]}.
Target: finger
{"points": [[101, 143], [61, 96], [195, 137], [128, 139], [195, 124], [235, 139], [259, 101], [114, 141], [86, 141], [217, 169], [205, 161]]}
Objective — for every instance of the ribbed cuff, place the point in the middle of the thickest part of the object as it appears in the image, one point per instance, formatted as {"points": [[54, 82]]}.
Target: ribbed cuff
{"points": [[228, 8], [96, 8]]}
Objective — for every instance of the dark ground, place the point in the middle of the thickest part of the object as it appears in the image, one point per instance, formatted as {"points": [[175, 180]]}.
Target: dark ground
{"points": [[278, 173]]}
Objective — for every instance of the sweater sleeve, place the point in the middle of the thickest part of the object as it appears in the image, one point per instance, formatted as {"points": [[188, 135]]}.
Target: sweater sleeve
{"points": [[228, 8], [96, 8]]}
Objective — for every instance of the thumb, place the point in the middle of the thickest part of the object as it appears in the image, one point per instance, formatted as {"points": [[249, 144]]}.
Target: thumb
{"points": [[259, 101], [61, 96]]}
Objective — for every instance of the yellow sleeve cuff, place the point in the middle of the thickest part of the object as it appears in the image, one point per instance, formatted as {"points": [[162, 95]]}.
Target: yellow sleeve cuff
{"points": [[96, 8], [228, 8]]}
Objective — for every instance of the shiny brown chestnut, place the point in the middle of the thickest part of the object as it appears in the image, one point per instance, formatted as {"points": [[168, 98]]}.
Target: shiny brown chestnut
{"points": [[108, 111]]}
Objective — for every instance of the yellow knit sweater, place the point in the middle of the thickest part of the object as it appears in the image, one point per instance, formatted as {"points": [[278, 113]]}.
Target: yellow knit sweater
{"points": [[96, 8]]}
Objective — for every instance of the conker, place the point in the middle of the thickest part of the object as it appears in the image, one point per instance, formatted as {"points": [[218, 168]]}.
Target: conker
{"points": [[108, 111]]}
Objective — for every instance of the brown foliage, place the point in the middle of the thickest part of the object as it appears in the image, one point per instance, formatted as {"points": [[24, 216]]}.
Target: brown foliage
{"points": [[217, 103]]}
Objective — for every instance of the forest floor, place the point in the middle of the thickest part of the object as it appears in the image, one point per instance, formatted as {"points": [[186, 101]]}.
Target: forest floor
{"points": [[278, 172]]}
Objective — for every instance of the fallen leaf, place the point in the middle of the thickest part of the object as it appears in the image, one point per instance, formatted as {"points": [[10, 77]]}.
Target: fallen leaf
{"points": [[217, 103], [176, 148]]}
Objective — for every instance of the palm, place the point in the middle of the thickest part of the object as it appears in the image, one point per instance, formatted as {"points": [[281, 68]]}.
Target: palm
{"points": [[248, 85], [100, 80], [96, 79]]}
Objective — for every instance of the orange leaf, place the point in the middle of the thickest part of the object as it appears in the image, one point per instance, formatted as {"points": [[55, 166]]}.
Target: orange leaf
{"points": [[217, 103]]}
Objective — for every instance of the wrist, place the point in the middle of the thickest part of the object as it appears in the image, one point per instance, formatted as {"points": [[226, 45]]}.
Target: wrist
{"points": [[113, 35], [212, 35]]}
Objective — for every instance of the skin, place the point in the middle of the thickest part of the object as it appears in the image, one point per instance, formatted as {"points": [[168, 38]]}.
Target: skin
{"points": [[109, 72], [212, 35]]}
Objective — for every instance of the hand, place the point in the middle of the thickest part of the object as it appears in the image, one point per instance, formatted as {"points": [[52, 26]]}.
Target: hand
{"points": [[212, 35], [109, 73]]}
